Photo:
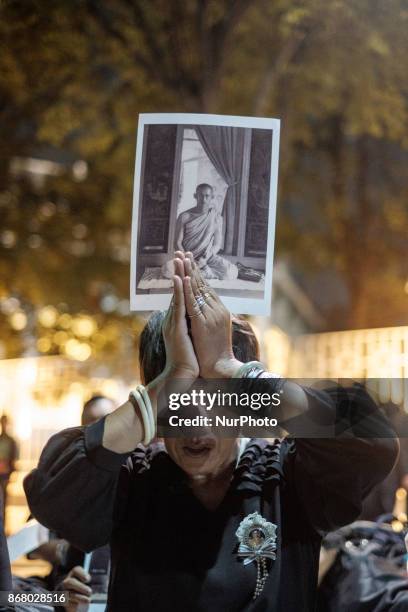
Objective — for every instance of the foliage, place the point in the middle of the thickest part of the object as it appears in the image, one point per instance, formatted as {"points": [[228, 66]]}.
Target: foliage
{"points": [[74, 76]]}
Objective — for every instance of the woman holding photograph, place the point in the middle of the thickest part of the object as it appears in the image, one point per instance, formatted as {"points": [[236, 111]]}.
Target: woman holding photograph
{"points": [[207, 523]]}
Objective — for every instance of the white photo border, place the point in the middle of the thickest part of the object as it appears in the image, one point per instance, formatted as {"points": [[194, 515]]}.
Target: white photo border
{"points": [[238, 305]]}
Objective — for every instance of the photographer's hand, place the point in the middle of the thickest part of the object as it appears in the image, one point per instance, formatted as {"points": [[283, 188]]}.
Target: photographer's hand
{"points": [[79, 594]]}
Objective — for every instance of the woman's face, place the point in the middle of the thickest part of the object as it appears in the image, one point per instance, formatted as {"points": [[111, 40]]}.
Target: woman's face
{"points": [[203, 456]]}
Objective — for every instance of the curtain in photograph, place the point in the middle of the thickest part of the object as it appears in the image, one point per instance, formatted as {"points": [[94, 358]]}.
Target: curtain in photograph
{"points": [[225, 148]]}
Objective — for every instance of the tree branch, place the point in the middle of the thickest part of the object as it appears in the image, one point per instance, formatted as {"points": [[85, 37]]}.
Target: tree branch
{"points": [[172, 76], [214, 49], [149, 36], [106, 25], [273, 72]]}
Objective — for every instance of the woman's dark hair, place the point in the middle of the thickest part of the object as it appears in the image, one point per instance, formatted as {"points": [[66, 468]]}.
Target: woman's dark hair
{"points": [[152, 353]]}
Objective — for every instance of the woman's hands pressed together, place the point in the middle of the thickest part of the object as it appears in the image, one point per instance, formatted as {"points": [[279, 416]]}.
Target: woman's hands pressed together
{"points": [[210, 322], [207, 352], [181, 360]]}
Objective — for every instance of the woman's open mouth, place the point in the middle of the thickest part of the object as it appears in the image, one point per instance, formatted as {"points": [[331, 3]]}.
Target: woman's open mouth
{"points": [[197, 451]]}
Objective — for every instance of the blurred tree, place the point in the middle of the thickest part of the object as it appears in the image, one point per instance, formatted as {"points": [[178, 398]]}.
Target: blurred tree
{"points": [[335, 75], [74, 76]]}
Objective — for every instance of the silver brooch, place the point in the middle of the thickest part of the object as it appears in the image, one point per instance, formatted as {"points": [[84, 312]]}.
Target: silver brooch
{"points": [[257, 543]]}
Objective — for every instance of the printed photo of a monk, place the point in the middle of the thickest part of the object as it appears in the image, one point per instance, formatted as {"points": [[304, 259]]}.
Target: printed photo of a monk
{"points": [[208, 188], [200, 230]]}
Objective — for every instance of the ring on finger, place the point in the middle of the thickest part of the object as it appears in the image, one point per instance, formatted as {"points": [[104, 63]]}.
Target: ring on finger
{"points": [[200, 301], [207, 292], [197, 313], [203, 287], [206, 295]]}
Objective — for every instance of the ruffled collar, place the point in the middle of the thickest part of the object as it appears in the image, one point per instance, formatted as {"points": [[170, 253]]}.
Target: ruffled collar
{"points": [[259, 465]]}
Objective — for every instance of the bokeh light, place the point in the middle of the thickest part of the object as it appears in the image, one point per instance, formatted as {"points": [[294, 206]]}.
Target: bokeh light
{"points": [[64, 321], [83, 326], [44, 344], [47, 316], [80, 351], [18, 320]]}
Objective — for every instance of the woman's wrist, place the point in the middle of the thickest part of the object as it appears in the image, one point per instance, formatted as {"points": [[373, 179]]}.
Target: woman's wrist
{"points": [[173, 372], [123, 429], [170, 373], [225, 368]]}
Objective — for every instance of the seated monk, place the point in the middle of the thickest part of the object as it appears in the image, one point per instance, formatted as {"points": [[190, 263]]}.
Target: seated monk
{"points": [[199, 230]]}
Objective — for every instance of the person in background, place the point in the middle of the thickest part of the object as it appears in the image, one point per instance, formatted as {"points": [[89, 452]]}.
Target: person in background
{"points": [[72, 576], [55, 550], [68, 573], [96, 408], [8, 457]]}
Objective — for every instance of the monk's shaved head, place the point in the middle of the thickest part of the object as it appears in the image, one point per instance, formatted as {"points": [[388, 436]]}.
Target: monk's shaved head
{"points": [[203, 186], [204, 195]]}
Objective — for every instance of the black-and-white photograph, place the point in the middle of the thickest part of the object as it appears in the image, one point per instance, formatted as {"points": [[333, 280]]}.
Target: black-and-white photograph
{"points": [[205, 184]]}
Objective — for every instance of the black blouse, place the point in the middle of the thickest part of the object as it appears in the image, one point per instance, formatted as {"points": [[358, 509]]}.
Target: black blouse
{"points": [[169, 552]]}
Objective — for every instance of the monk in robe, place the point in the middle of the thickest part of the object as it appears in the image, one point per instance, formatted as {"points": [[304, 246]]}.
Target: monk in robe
{"points": [[199, 230]]}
